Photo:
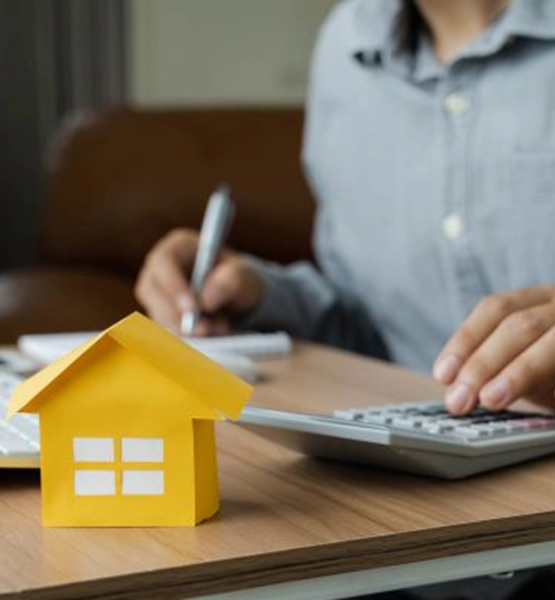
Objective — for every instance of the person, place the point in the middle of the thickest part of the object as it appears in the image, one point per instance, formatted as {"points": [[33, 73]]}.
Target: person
{"points": [[430, 148]]}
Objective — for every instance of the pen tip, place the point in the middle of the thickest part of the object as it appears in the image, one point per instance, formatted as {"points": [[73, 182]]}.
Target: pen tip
{"points": [[188, 323]]}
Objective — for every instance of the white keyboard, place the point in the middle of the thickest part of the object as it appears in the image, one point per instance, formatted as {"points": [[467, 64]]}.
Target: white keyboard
{"points": [[19, 437]]}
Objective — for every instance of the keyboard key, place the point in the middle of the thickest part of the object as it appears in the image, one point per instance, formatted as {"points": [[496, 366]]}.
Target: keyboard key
{"points": [[25, 428], [13, 444], [19, 435]]}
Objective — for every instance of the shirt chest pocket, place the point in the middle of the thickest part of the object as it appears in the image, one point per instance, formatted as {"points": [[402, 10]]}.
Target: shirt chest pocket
{"points": [[531, 218]]}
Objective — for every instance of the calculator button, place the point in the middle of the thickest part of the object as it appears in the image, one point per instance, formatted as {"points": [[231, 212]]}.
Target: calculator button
{"points": [[410, 407], [426, 420], [438, 427], [538, 423], [490, 418], [379, 418], [435, 410], [394, 410], [493, 429], [457, 422], [502, 428], [430, 404], [490, 428], [373, 411], [515, 426], [471, 433], [407, 422], [344, 415], [444, 425]]}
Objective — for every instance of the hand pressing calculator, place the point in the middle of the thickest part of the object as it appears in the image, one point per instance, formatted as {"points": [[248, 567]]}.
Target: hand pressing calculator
{"points": [[416, 437]]}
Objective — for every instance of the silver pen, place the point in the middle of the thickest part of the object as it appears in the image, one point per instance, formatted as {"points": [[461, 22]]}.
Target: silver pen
{"points": [[216, 224]]}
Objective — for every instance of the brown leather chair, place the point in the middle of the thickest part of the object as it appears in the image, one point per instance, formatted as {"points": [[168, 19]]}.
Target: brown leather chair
{"points": [[122, 178]]}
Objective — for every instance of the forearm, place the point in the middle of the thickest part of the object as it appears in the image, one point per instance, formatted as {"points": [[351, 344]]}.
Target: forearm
{"points": [[299, 300]]}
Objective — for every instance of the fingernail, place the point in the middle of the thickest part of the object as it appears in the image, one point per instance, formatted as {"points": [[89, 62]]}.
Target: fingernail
{"points": [[459, 398], [496, 393], [446, 368], [185, 303]]}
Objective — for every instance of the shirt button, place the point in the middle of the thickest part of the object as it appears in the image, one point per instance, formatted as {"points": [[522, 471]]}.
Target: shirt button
{"points": [[456, 104], [453, 227]]}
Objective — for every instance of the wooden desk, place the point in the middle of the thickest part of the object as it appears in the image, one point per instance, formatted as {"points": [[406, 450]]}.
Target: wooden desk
{"points": [[300, 528]]}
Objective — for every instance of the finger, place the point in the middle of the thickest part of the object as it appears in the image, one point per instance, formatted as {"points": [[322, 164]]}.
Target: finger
{"points": [[182, 244], [534, 368], [483, 320], [168, 276], [223, 287], [168, 264], [158, 306], [516, 333]]}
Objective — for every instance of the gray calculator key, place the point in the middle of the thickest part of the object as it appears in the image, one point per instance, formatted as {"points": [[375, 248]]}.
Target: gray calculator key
{"points": [[382, 418], [487, 430], [499, 428], [346, 415], [408, 422], [515, 426], [438, 427], [471, 433]]}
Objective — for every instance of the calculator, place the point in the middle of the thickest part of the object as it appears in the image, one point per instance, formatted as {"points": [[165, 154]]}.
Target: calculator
{"points": [[416, 437]]}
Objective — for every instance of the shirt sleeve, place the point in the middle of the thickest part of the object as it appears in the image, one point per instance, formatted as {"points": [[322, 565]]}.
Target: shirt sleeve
{"points": [[309, 302], [300, 300]]}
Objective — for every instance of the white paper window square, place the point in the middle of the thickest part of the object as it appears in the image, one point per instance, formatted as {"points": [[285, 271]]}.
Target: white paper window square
{"points": [[142, 483], [142, 450], [93, 449], [95, 483]]}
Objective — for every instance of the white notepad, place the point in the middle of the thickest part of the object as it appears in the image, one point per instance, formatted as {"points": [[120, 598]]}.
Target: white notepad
{"points": [[235, 352], [253, 345]]}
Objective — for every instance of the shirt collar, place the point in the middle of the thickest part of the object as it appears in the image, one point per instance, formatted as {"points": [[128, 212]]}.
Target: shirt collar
{"points": [[374, 23], [374, 40], [532, 19]]}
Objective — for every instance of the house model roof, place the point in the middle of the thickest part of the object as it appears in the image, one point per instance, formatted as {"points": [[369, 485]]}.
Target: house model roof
{"points": [[219, 391]]}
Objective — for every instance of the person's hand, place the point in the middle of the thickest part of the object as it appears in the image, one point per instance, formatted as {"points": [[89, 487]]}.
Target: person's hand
{"points": [[232, 288], [504, 351]]}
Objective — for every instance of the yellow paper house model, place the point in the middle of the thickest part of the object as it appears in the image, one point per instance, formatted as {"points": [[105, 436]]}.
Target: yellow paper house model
{"points": [[127, 429]]}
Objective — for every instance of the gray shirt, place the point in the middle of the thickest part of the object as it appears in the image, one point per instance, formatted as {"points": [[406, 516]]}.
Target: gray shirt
{"points": [[435, 183]]}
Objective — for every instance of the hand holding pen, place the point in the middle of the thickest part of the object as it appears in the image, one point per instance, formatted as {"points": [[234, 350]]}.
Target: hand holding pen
{"points": [[215, 228], [224, 287]]}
